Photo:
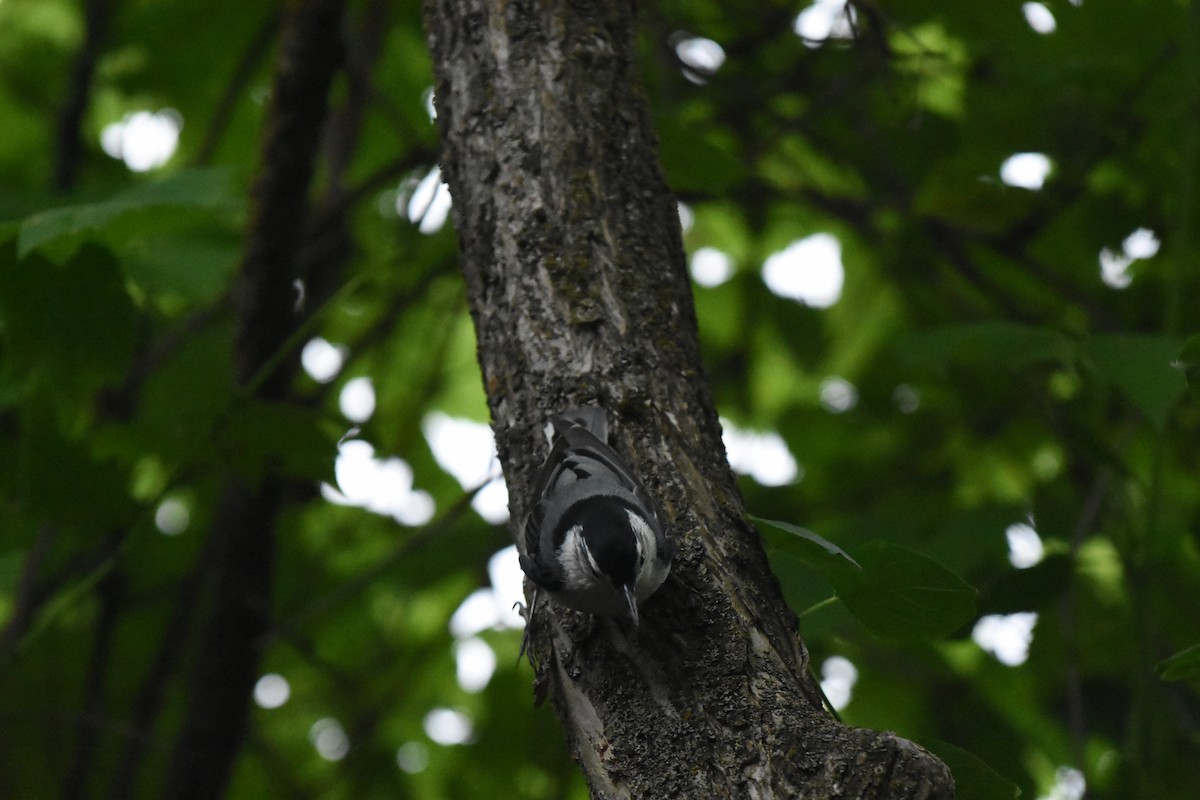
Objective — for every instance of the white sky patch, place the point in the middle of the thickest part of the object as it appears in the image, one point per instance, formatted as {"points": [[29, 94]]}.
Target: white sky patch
{"points": [[1025, 170], [1069, 784], [322, 360], [1142, 243], [478, 612], [467, 450], [380, 486], [808, 270], [763, 456], [702, 57], [491, 502], [838, 395], [1114, 266], [143, 139], [430, 107], [710, 267], [906, 398], [838, 676], [412, 757], [1024, 545], [357, 399], [272, 691], [464, 448], [329, 738], [172, 517], [1006, 636], [1039, 18], [508, 582], [448, 726], [687, 218], [1114, 269], [491, 607], [475, 663], [429, 204], [824, 19]]}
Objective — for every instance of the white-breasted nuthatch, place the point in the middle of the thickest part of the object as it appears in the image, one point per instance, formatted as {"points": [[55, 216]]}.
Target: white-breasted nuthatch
{"points": [[594, 539]]}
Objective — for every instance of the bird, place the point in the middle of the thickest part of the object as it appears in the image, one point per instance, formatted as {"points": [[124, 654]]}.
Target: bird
{"points": [[594, 538]]}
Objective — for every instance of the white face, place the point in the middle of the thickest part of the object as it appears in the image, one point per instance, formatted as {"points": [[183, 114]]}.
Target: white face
{"points": [[579, 568], [587, 588], [649, 574]]}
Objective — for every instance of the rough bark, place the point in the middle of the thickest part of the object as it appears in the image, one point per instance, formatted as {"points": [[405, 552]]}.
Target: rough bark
{"points": [[576, 275]]}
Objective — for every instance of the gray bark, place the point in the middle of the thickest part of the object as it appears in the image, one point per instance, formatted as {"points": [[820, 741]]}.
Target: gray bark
{"points": [[577, 281]]}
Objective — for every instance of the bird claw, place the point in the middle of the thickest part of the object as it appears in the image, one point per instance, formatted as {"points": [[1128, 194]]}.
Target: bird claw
{"points": [[526, 612]]}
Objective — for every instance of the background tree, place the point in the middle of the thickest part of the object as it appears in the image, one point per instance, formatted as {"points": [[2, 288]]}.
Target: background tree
{"points": [[991, 372]]}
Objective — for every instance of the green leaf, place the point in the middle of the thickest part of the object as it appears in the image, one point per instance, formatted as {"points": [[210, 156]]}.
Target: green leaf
{"points": [[796, 580], [63, 481], [1031, 589], [904, 594], [695, 161], [277, 437], [73, 324], [974, 779], [1005, 344], [1190, 359], [192, 267], [815, 551], [1142, 368], [188, 189], [1182, 666], [184, 400]]}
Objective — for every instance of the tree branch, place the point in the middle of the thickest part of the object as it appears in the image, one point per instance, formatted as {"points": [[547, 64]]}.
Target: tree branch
{"points": [[243, 529], [68, 146], [29, 593], [40, 602], [577, 280], [243, 72], [111, 593], [175, 636]]}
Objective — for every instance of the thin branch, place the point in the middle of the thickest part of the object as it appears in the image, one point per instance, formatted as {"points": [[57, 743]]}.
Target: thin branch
{"points": [[364, 44], [29, 592], [148, 704], [59, 592], [252, 57], [68, 145], [359, 583], [120, 403], [111, 594]]}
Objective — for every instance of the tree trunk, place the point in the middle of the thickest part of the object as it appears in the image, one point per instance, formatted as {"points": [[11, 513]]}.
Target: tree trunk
{"points": [[226, 667], [578, 287]]}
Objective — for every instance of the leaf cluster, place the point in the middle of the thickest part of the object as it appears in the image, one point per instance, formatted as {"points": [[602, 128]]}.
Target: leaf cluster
{"points": [[995, 380]]}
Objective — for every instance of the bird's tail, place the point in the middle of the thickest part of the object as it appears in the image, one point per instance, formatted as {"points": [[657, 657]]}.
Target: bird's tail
{"points": [[592, 418]]}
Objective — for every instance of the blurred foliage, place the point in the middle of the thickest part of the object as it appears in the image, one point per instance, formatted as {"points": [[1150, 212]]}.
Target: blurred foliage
{"points": [[997, 380]]}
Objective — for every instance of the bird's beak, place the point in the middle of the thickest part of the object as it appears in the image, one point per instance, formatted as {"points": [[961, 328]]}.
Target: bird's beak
{"points": [[631, 599]]}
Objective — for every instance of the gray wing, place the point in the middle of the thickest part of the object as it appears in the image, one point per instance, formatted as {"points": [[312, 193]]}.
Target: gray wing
{"points": [[579, 452]]}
